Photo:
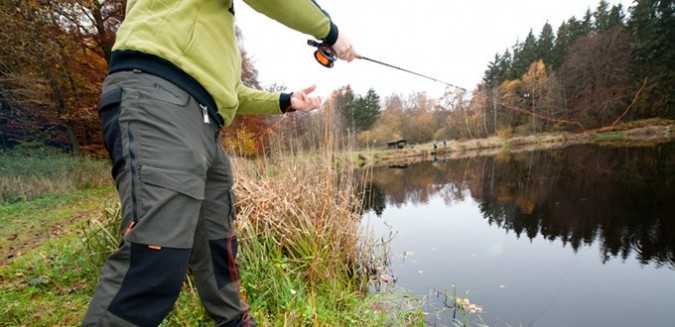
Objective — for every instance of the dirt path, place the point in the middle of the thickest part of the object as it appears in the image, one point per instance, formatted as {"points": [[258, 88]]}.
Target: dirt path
{"points": [[28, 225]]}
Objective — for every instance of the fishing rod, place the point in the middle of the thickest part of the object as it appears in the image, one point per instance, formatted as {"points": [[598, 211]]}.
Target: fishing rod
{"points": [[327, 57]]}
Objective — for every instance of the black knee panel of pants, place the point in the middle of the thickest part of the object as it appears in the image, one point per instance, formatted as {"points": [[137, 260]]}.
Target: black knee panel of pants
{"points": [[152, 284], [223, 256]]}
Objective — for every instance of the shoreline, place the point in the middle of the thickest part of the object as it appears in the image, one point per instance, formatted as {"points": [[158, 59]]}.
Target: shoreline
{"points": [[640, 136]]}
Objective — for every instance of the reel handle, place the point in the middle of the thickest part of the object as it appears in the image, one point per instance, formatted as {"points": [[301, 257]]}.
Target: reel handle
{"points": [[324, 54]]}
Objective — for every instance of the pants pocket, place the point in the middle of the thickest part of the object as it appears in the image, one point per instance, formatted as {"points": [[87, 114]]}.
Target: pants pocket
{"points": [[169, 203], [176, 180]]}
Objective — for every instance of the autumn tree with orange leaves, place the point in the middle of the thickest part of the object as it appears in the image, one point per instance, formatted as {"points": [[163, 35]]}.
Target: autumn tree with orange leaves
{"points": [[53, 60], [52, 63]]}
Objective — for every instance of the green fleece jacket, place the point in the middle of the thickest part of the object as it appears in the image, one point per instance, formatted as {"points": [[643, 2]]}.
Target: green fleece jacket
{"points": [[198, 37]]}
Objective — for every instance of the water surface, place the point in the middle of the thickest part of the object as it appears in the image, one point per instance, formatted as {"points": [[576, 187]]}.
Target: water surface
{"points": [[583, 236]]}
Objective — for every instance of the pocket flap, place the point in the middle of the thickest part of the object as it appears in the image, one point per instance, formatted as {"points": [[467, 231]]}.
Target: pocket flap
{"points": [[176, 180], [110, 98]]}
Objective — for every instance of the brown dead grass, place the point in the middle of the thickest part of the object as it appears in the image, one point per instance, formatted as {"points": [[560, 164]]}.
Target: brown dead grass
{"points": [[306, 207]]}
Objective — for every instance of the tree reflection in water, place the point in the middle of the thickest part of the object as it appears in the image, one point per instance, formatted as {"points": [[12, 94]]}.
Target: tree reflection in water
{"points": [[623, 198]]}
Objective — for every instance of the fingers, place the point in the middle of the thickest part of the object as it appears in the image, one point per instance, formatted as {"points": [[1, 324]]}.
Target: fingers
{"points": [[344, 49], [301, 100], [308, 104]]}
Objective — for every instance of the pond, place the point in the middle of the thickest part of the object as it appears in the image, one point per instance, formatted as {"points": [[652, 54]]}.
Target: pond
{"points": [[581, 236]]}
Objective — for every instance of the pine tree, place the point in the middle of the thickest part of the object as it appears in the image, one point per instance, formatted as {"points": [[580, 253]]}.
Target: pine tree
{"points": [[602, 17], [491, 75], [545, 44], [366, 110], [505, 66], [616, 17], [344, 104], [586, 24], [524, 54], [652, 24], [562, 43]]}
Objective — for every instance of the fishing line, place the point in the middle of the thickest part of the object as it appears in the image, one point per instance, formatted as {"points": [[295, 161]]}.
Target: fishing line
{"points": [[327, 57]]}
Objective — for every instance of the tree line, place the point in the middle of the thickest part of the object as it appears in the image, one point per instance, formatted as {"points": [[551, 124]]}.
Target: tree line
{"points": [[55, 53], [610, 64], [587, 74]]}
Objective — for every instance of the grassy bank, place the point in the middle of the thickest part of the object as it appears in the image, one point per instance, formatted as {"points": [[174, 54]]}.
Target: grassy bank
{"points": [[304, 261]]}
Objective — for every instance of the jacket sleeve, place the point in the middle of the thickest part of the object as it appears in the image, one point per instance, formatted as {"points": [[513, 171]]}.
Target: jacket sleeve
{"points": [[252, 101], [304, 16]]}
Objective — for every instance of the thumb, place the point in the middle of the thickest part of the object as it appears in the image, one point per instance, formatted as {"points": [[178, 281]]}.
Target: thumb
{"points": [[309, 90]]}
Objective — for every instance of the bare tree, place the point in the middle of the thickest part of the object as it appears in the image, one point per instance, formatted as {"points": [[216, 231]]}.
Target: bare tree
{"points": [[595, 77]]}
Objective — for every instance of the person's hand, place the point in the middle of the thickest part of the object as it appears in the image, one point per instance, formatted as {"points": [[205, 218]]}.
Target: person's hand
{"points": [[301, 100], [344, 49]]}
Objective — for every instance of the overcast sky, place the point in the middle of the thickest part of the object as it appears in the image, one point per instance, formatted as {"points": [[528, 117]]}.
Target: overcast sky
{"points": [[452, 41]]}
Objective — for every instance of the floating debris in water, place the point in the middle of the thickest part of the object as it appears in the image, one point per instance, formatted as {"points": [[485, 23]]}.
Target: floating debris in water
{"points": [[386, 278], [467, 306]]}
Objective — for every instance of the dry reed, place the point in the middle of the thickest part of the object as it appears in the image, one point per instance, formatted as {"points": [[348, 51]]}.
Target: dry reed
{"points": [[312, 212]]}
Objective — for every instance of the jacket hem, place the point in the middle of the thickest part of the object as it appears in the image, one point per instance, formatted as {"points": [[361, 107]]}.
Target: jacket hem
{"points": [[128, 60]]}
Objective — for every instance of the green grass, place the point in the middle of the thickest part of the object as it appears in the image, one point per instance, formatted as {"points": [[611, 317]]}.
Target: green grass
{"points": [[280, 293], [26, 174], [48, 287], [48, 215], [49, 281], [609, 136], [46, 197]]}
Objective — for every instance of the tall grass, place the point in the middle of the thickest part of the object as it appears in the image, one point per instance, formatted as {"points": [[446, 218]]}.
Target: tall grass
{"points": [[25, 174], [304, 216], [304, 260]]}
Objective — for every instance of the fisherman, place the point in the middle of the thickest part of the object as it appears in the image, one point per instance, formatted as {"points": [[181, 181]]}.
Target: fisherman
{"points": [[174, 81]]}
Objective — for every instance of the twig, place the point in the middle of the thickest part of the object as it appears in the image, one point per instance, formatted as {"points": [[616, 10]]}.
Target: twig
{"points": [[637, 95]]}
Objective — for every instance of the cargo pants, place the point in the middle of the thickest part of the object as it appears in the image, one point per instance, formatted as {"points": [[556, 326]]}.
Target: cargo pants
{"points": [[175, 181]]}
